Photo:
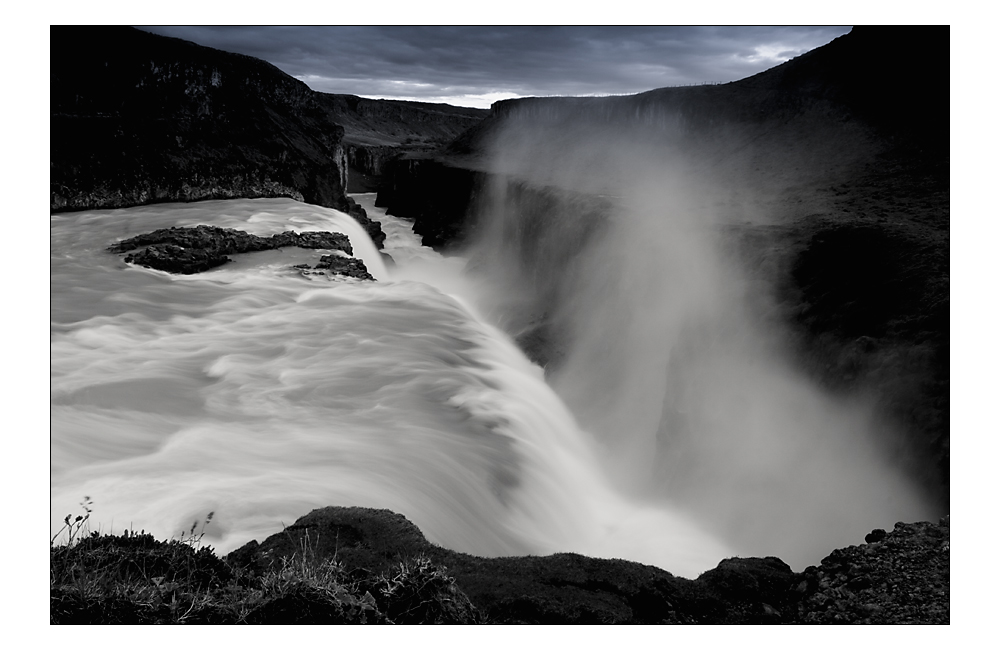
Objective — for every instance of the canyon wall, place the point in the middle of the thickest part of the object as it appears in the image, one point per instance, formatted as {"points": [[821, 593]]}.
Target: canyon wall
{"points": [[138, 118]]}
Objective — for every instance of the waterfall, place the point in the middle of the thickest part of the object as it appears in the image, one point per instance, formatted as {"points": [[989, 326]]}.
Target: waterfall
{"points": [[258, 393]]}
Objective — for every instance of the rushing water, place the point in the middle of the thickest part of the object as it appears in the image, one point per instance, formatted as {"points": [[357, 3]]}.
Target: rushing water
{"points": [[258, 393]]}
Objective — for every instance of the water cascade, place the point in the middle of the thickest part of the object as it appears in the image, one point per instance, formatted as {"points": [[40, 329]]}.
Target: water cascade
{"points": [[258, 393]]}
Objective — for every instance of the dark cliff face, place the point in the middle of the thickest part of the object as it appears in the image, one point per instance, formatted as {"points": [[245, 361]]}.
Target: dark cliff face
{"points": [[434, 195], [140, 118], [383, 122], [366, 164], [380, 131]]}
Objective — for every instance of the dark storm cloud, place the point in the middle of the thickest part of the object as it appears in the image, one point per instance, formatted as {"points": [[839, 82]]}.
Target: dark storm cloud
{"points": [[476, 65]]}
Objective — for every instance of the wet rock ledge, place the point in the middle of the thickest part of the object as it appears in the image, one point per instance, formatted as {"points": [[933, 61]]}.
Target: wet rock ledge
{"points": [[200, 248]]}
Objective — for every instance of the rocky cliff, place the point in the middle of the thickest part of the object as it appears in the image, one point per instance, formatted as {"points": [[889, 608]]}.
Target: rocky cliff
{"points": [[380, 130], [438, 197], [138, 118]]}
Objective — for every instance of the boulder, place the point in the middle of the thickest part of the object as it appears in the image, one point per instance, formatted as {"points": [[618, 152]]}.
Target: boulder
{"points": [[349, 266], [200, 248]]}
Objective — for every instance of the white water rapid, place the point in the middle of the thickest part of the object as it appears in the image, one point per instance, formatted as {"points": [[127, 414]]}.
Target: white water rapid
{"points": [[257, 393]]}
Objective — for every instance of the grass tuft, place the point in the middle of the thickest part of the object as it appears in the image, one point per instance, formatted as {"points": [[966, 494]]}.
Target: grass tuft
{"points": [[134, 578]]}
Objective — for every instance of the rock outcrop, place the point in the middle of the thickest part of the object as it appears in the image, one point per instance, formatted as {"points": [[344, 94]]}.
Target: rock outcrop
{"points": [[903, 577], [346, 266], [200, 248]]}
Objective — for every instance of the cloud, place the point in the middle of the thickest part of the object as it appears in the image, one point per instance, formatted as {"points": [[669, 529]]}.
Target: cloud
{"points": [[467, 65]]}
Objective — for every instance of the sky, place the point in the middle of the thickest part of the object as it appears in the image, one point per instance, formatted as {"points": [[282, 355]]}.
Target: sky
{"points": [[475, 66]]}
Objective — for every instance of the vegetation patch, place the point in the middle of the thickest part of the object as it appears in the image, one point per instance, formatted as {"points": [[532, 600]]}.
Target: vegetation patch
{"points": [[133, 578]]}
